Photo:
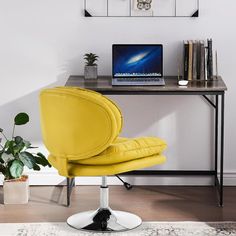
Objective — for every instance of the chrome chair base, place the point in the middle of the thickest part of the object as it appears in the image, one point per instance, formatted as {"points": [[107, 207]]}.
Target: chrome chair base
{"points": [[104, 220]]}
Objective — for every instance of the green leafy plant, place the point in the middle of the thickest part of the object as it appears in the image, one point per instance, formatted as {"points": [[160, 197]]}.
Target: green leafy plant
{"points": [[90, 59], [14, 153]]}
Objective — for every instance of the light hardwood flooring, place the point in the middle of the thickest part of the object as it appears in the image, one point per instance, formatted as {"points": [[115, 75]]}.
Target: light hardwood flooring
{"points": [[156, 203]]}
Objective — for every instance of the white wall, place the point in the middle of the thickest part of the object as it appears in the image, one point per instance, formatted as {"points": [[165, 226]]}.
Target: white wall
{"points": [[42, 43]]}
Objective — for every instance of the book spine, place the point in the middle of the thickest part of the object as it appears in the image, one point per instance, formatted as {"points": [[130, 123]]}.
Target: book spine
{"points": [[209, 59], [198, 59], [186, 54], [190, 61], [206, 59], [194, 76], [216, 64], [202, 60]]}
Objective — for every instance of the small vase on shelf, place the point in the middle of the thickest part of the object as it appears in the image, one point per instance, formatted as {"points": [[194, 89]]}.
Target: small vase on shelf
{"points": [[90, 72]]}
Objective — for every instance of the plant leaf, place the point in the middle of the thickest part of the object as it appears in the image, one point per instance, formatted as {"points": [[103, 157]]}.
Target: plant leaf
{"points": [[7, 157], [18, 148], [10, 147], [2, 169], [7, 144], [21, 119], [16, 169], [36, 167], [90, 59], [41, 155], [41, 159], [27, 159], [27, 144], [1, 160], [18, 139]]}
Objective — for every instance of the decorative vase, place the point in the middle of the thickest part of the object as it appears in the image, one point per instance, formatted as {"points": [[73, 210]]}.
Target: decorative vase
{"points": [[90, 72], [16, 191]]}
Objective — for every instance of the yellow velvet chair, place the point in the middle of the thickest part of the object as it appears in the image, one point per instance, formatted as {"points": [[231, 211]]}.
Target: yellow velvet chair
{"points": [[80, 129]]}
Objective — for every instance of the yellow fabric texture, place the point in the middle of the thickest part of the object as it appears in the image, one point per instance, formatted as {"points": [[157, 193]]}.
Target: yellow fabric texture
{"points": [[103, 170], [76, 124], [112, 105], [127, 150], [80, 129]]}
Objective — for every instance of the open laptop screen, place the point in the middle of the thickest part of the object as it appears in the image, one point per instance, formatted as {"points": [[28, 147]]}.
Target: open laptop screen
{"points": [[137, 60]]}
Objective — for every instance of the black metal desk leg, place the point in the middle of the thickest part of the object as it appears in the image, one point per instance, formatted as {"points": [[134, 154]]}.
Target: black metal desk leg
{"points": [[70, 183], [222, 147], [216, 137], [68, 191]]}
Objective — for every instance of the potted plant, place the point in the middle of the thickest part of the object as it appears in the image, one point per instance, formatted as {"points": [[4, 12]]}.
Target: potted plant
{"points": [[90, 69], [14, 155]]}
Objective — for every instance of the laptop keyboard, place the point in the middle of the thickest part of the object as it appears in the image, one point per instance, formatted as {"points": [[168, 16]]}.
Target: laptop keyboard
{"points": [[139, 79]]}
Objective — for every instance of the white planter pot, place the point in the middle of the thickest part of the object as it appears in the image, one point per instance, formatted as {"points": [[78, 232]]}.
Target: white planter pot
{"points": [[90, 72], [16, 191]]}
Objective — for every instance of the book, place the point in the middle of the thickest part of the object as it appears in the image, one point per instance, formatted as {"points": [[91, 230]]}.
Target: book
{"points": [[209, 59], [198, 60], [186, 54], [216, 64], [195, 56], [202, 60], [190, 60], [206, 66]]}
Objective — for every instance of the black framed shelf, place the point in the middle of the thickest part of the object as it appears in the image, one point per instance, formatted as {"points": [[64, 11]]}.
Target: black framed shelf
{"points": [[130, 8]]}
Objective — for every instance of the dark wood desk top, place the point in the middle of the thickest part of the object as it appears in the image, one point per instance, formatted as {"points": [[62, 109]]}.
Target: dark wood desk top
{"points": [[103, 85]]}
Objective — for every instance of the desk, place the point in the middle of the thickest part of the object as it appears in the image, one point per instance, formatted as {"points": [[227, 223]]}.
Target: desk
{"points": [[216, 88]]}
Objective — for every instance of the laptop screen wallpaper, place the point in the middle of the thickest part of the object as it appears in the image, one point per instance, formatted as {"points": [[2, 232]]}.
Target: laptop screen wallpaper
{"points": [[137, 60]]}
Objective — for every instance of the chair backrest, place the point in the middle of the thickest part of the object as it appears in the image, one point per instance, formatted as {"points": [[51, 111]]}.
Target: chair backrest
{"points": [[78, 123]]}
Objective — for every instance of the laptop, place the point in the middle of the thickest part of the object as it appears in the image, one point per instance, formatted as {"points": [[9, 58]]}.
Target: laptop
{"points": [[137, 64]]}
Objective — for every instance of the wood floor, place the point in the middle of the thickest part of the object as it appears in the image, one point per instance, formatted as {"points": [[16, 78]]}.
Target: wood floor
{"points": [[150, 203]]}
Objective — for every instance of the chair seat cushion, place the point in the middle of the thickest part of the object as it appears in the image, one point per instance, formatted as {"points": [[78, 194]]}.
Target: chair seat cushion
{"points": [[125, 149], [75, 169]]}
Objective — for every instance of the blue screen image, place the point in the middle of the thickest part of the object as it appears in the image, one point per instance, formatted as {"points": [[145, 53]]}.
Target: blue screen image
{"points": [[137, 60]]}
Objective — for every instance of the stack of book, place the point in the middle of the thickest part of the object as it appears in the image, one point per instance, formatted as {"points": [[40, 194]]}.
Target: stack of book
{"points": [[198, 60]]}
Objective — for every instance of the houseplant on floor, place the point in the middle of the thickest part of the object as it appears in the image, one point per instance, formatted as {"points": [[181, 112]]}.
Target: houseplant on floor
{"points": [[90, 69], [14, 155]]}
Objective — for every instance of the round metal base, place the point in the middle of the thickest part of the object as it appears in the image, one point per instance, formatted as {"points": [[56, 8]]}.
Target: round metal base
{"points": [[104, 220]]}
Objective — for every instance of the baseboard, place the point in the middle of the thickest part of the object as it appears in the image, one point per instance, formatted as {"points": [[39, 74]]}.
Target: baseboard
{"points": [[52, 178]]}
